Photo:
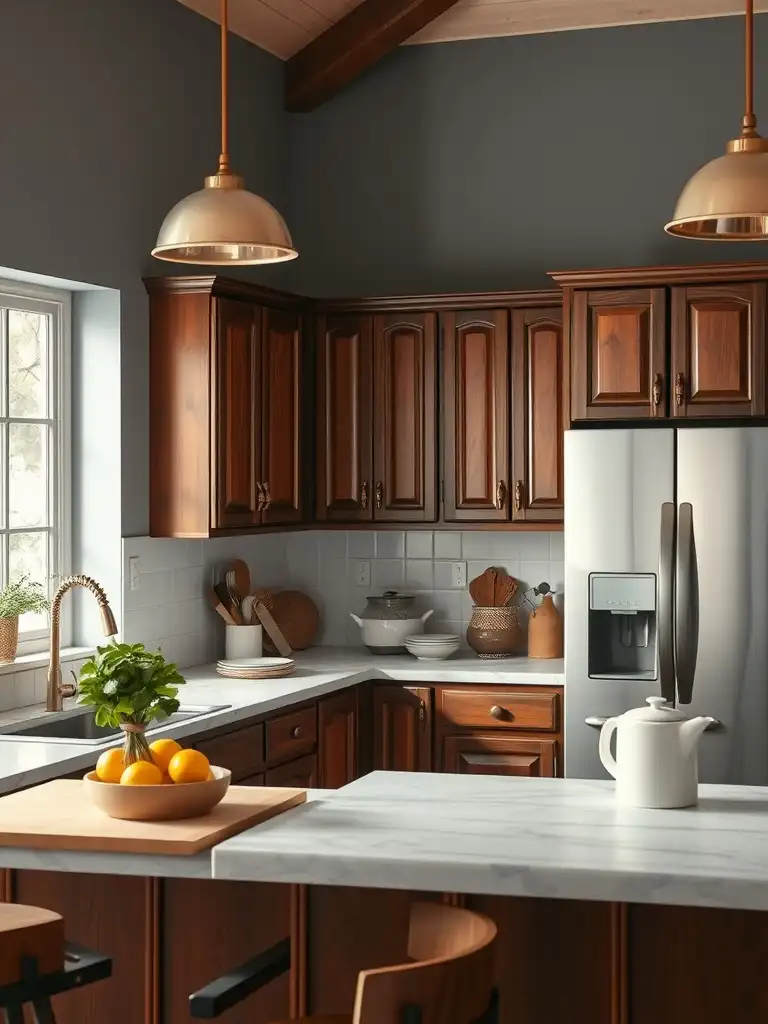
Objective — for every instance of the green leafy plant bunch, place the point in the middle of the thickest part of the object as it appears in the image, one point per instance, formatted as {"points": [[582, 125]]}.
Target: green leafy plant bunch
{"points": [[22, 595], [130, 687]]}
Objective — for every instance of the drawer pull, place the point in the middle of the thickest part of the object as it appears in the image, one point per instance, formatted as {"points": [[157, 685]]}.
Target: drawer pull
{"points": [[499, 712], [296, 731]]}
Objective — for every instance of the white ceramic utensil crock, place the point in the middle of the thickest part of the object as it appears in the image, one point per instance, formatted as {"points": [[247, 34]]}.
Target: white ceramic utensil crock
{"points": [[656, 755]]}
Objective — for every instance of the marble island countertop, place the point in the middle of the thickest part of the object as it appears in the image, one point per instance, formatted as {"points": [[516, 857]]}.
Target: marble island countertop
{"points": [[320, 671], [554, 838]]}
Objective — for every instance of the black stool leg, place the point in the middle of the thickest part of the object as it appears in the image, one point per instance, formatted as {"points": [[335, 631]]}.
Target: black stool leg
{"points": [[43, 1011], [14, 1014]]}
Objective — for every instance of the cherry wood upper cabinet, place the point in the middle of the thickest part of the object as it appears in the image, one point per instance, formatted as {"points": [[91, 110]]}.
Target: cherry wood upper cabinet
{"points": [[405, 435], [345, 418], [402, 728], [617, 354], [281, 417], [237, 419], [338, 739], [718, 350], [499, 755], [537, 382], [475, 402]]}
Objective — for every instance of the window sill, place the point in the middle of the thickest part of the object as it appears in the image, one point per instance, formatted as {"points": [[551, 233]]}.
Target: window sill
{"points": [[41, 658]]}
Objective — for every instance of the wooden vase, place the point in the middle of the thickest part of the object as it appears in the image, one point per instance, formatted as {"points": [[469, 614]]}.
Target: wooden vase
{"points": [[545, 631], [9, 639]]}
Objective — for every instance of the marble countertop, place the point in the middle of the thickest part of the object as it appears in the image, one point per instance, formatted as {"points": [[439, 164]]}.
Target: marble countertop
{"points": [[555, 838], [320, 671]]}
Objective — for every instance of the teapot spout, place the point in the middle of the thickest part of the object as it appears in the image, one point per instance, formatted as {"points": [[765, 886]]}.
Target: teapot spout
{"points": [[426, 615], [692, 731]]}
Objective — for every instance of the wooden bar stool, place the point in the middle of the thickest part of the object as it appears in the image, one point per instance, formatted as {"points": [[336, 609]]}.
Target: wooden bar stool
{"points": [[448, 979], [36, 963]]}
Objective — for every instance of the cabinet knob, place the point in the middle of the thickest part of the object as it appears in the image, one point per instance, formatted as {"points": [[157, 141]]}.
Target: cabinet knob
{"points": [[364, 494], [296, 731], [267, 499], [498, 712], [680, 388], [656, 389], [501, 494], [379, 494], [518, 495]]}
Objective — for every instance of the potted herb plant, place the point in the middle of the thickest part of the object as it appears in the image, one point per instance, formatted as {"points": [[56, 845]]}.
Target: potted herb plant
{"points": [[17, 597], [130, 687]]}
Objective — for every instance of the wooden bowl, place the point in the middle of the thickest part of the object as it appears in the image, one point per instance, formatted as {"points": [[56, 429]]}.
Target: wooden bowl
{"points": [[158, 803]]}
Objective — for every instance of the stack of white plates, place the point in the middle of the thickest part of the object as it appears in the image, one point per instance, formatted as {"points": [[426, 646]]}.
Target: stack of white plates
{"points": [[256, 668], [432, 646]]}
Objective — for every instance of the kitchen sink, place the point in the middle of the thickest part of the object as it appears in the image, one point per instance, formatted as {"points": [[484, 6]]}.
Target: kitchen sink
{"points": [[80, 726]]}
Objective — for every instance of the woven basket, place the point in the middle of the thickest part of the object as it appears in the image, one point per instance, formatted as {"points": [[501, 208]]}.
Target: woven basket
{"points": [[9, 639], [495, 632]]}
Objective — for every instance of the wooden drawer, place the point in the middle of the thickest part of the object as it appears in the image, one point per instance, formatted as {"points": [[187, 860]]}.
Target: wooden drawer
{"points": [[241, 751], [299, 774], [291, 735], [474, 708]]}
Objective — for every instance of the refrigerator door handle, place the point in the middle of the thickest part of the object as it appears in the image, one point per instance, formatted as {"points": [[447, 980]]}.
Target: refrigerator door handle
{"points": [[666, 602], [686, 602]]}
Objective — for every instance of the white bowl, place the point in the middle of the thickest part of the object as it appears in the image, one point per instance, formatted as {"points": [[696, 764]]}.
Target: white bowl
{"points": [[433, 652]]}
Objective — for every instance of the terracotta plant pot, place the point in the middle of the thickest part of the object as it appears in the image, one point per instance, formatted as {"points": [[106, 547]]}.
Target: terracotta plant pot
{"points": [[9, 639], [495, 632]]}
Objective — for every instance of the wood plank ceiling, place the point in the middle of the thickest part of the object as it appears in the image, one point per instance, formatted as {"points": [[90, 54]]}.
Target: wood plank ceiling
{"points": [[286, 26]]}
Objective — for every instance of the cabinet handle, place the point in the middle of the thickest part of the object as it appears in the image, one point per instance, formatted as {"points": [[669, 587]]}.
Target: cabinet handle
{"points": [[267, 499], [518, 495], [422, 711], [656, 389], [379, 494], [498, 712], [364, 494], [501, 494], [680, 388], [260, 496], [296, 732]]}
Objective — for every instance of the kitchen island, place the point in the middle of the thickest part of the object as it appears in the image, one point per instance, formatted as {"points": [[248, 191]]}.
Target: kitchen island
{"points": [[607, 915]]}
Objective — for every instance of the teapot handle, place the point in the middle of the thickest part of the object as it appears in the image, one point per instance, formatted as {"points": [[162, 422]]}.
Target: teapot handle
{"points": [[604, 747]]}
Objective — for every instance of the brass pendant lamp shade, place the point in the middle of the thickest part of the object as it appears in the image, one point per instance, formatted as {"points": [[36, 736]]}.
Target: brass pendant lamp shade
{"points": [[727, 200], [223, 224]]}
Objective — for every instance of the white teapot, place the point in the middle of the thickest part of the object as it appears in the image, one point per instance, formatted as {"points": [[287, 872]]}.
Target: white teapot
{"points": [[655, 763]]}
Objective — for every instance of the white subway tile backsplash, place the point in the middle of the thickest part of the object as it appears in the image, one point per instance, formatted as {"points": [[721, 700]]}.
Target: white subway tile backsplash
{"points": [[387, 573], [418, 544], [332, 544], [557, 547], [446, 605], [390, 544], [155, 588], [190, 583], [476, 545], [361, 544], [534, 573], [443, 575], [419, 574], [447, 545], [24, 689]]}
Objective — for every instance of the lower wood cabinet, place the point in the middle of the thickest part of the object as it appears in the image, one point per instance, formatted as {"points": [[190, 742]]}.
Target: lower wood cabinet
{"points": [[299, 774], [338, 739], [402, 728], [482, 754]]}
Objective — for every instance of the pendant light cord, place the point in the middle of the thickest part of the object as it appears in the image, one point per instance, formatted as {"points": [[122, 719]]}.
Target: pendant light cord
{"points": [[749, 121], [224, 155]]}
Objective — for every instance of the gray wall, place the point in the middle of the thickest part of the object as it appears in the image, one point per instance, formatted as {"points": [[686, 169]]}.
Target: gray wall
{"points": [[483, 164], [109, 117]]}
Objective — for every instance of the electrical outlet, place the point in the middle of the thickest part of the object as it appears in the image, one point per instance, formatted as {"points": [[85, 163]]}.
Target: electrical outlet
{"points": [[133, 569], [363, 574], [459, 574]]}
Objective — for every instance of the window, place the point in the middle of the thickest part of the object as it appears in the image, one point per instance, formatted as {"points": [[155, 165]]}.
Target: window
{"points": [[34, 442]]}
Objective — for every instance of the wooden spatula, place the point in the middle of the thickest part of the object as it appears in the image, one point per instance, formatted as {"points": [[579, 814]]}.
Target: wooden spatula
{"points": [[218, 606], [242, 577], [481, 588], [223, 595]]}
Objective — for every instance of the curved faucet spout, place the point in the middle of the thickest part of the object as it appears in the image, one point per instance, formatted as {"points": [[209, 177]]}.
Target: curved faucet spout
{"points": [[56, 689]]}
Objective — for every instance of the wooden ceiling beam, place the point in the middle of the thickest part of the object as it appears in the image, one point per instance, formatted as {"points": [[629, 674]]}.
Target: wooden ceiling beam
{"points": [[362, 37]]}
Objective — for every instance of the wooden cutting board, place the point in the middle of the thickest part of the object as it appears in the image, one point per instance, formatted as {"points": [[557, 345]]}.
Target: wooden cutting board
{"points": [[60, 816]]}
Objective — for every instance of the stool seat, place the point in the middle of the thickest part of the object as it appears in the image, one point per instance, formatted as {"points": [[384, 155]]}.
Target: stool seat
{"points": [[29, 932]]}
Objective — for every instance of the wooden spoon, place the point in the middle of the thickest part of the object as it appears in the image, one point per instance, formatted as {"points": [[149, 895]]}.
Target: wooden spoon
{"points": [[222, 609], [242, 577], [222, 593]]}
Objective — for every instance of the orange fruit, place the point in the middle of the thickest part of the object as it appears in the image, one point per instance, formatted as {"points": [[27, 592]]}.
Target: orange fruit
{"points": [[189, 766], [141, 773], [163, 751], [110, 765], [167, 780]]}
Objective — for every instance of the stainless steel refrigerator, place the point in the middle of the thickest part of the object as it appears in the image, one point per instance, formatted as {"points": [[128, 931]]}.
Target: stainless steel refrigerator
{"points": [[666, 587]]}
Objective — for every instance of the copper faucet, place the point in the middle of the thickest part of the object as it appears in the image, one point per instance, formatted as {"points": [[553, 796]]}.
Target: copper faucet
{"points": [[57, 689]]}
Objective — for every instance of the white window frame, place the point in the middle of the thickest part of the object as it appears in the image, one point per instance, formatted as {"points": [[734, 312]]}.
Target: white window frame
{"points": [[58, 305]]}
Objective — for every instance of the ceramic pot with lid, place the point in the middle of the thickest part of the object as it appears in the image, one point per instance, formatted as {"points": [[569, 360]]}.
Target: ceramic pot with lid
{"points": [[388, 620], [656, 762]]}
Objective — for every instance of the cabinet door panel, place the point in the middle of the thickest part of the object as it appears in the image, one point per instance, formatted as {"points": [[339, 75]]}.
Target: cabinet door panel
{"points": [[281, 405], [476, 415], [237, 415], [618, 354], [405, 352], [298, 774], [338, 740], [718, 350], [477, 754], [402, 728], [345, 424], [537, 381]]}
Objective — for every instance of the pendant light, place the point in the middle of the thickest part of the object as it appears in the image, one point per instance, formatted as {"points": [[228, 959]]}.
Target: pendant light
{"points": [[224, 224], [727, 200]]}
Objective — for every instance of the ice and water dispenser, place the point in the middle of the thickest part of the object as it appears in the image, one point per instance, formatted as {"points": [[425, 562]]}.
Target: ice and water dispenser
{"points": [[622, 625]]}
